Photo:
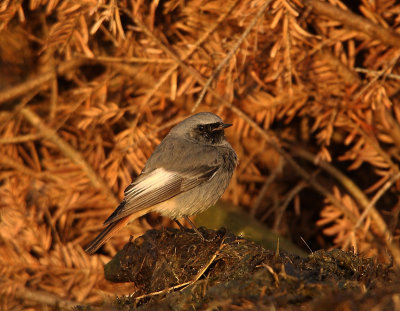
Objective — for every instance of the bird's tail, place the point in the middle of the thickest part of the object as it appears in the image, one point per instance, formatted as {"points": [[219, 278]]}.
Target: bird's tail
{"points": [[111, 229], [106, 234]]}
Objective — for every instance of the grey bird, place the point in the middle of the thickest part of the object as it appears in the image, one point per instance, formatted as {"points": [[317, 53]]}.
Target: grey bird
{"points": [[186, 174]]}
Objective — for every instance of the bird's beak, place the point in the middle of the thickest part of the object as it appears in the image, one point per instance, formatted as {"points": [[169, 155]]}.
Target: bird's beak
{"points": [[222, 126]]}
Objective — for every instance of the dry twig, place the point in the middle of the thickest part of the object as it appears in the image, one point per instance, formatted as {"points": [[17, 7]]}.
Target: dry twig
{"points": [[68, 151], [38, 81], [232, 51], [355, 22]]}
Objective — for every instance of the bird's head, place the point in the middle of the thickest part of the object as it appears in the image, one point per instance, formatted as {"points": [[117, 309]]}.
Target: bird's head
{"points": [[204, 127]]}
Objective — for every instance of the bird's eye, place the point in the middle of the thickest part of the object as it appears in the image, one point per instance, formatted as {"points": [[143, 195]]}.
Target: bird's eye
{"points": [[201, 128]]}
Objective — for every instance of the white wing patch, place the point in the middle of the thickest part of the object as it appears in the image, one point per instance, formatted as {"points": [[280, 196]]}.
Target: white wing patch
{"points": [[153, 181], [158, 186]]}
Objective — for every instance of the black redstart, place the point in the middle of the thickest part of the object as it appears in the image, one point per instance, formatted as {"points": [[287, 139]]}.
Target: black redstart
{"points": [[186, 174]]}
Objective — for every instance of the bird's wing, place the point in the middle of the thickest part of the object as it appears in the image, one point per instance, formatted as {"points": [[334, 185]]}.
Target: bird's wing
{"points": [[159, 185]]}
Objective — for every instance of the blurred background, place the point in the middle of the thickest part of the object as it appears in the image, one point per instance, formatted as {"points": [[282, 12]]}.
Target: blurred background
{"points": [[89, 88]]}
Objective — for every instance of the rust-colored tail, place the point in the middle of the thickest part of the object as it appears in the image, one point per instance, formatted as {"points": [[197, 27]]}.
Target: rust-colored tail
{"points": [[111, 229], [106, 234]]}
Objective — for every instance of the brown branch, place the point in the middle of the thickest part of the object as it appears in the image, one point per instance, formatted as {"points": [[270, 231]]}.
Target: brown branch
{"points": [[230, 54], [383, 233], [137, 60], [371, 205], [299, 170], [11, 162], [168, 50], [346, 182], [377, 73], [20, 139], [68, 151], [376, 198], [355, 22], [382, 73], [37, 81]]}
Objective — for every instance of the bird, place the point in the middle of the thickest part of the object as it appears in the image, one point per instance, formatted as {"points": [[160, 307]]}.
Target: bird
{"points": [[186, 174]]}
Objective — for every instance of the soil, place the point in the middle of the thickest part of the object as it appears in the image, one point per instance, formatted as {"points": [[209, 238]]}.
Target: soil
{"points": [[179, 270]]}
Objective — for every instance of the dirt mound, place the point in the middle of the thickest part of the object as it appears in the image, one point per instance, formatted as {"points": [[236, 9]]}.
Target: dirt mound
{"points": [[177, 270]]}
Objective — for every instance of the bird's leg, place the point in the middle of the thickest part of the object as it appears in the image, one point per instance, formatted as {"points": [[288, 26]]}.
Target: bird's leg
{"points": [[182, 228], [195, 228]]}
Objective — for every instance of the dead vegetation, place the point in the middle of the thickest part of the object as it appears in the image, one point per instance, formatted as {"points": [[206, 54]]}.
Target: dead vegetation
{"points": [[89, 88]]}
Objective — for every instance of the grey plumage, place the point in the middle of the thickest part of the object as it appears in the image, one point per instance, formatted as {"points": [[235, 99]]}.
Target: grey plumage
{"points": [[187, 173]]}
